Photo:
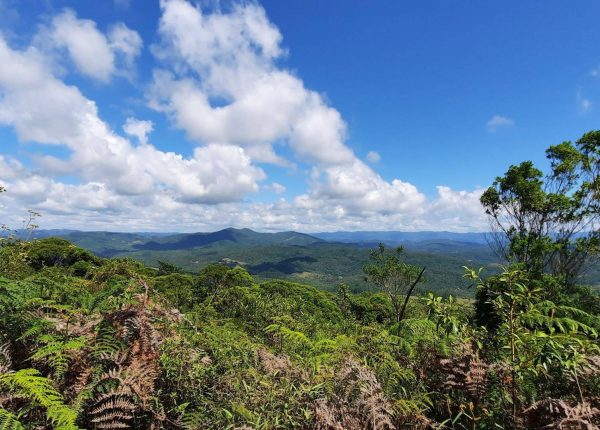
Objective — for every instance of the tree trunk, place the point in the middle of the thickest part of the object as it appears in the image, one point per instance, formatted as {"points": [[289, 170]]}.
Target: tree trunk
{"points": [[408, 294]]}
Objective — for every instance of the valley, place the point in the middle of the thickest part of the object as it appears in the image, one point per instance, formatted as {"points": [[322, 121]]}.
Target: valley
{"points": [[323, 260]]}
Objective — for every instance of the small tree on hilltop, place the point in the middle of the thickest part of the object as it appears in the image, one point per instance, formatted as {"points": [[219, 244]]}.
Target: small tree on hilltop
{"points": [[392, 276]]}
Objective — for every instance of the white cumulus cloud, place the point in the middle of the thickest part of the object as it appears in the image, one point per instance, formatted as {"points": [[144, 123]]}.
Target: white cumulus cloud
{"points": [[218, 78], [232, 57], [216, 172], [94, 53], [140, 129], [221, 83]]}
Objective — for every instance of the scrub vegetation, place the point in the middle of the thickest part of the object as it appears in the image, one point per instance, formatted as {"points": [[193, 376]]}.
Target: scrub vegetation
{"points": [[109, 343]]}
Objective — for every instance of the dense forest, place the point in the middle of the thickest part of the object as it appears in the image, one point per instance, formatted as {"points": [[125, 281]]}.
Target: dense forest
{"points": [[110, 343], [291, 256]]}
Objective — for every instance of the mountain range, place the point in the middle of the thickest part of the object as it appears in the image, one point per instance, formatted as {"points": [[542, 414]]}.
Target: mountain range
{"points": [[320, 259]]}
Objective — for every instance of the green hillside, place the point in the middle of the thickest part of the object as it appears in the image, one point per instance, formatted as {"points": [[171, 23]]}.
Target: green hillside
{"points": [[322, 264], [300, 257], [290, 255]]}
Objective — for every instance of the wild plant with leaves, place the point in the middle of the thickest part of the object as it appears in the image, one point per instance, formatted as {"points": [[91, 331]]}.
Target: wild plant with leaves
{"points": [[95, 343]]}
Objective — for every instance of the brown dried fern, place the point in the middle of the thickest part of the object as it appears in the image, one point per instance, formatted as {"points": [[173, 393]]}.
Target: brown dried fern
{"points": [[563, 415], [273, 364], [467, 373], [358, 402], [132, 373]]}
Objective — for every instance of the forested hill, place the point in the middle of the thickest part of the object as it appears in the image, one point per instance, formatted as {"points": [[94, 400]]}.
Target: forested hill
{"points": [[322, 261], [110, 243], [103, 242], [293, 256]]}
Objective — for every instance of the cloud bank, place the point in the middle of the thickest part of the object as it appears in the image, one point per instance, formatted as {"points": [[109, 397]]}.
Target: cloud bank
{"points": [[217, 77]]}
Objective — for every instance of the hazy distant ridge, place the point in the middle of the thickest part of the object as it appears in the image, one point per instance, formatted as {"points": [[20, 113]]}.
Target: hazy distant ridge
{"points": [[401, 236]]}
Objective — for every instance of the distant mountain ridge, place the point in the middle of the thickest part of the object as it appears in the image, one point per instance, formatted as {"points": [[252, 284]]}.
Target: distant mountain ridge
{"points": [[243, 237], [401, 236], [320, 259], [156, 240], [108, 244]]}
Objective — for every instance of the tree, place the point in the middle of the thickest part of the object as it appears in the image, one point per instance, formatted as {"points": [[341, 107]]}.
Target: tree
{"points": [[550, 223], [215, 277], [343, 299], [165, 268], [393, 277]]}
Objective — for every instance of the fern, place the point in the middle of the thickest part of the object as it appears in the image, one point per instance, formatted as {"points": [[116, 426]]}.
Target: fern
{"points": [[28, 383], [113, 410], [560, 414], [5, 358], [58, 353], [192, 420], [106, 342], [9, 421], [358, 402], [13, 294], [466, 372], [292, 336]]}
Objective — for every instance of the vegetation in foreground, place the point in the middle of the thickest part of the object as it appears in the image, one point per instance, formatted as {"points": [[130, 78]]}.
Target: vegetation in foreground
{"points": [[111, 344]]}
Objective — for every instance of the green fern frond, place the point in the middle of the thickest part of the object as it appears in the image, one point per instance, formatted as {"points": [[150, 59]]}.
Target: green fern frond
{"points": [[193, 420], [9, 421], [13, 294], [58, 353], [37, 326], [107, 342], [292, 336], [30, 384]]}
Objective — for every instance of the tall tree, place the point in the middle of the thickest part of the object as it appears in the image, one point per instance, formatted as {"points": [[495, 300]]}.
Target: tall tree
{"points": [[550, 223]]}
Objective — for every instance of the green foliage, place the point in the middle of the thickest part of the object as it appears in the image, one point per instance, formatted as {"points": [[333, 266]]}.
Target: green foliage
{"points": [[535, 337], [28, 383], [372, 307], [393, 277], [165, 268], [298, 258], [9, 421], [111, 343], [57, 353], [56, 252], [549, 223], [448, 314], [214, 278], [177, 288]]}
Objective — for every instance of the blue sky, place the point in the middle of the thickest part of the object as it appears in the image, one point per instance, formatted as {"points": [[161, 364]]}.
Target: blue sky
{"points": [[274, 115]]}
